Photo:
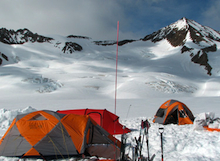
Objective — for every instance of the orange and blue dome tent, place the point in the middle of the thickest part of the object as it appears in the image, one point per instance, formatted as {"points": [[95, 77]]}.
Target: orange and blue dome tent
{"points": [[173, 112], [48, 134], [103, 117]]}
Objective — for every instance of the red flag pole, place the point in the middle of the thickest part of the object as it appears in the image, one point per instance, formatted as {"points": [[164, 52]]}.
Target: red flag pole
{"points": [[116, 73]]}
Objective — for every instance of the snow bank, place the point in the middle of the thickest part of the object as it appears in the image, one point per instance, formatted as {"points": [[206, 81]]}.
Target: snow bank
{"points": [[7, 116]]}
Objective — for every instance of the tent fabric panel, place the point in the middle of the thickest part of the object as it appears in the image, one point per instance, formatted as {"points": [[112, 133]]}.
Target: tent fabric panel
{"points": [[160, 112], [56, 115], [183, 121], [34, 131], [183, 117], [111, 123], [109, 120], [188, 112], [76, 126], [8, 130], [76, 112], [168, 103], [158, 119], [14, 144], [38, 117], [119, 129], [165, 104], [57, 144], [18, 117], [172, 108], [172, 101], [100, 136], [97, 117], [103, 150], [32, 152], [87, 133], [172, 117], [46, 114]]}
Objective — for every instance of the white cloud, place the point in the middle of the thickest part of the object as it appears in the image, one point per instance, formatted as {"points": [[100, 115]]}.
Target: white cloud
{"points": [[96, 19]]}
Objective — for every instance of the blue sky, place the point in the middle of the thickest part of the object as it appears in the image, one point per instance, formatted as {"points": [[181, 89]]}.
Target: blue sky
{"points": [[98, 18]]}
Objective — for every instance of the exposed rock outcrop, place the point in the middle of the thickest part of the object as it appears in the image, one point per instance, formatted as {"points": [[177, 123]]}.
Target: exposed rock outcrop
{"points": [[21, 36], [70, 47]]}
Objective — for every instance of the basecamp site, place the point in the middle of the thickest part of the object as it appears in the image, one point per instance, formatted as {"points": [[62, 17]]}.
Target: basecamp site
{"points": [[73, 98]]}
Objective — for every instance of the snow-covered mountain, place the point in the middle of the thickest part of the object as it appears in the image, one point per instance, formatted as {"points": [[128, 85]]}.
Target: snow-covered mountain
{"points": [[194, 38], [184, 50], [56, 72]]}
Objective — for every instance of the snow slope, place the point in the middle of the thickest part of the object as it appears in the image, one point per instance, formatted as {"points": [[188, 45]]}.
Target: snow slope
{"points": [[41, 76]]}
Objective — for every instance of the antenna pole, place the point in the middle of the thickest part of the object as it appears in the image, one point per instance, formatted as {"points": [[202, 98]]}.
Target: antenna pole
{"points": [[116, 73]]}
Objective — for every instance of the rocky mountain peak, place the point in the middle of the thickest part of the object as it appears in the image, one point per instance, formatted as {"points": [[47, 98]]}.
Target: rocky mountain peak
{"points": [[186, 30], [176, 33]]}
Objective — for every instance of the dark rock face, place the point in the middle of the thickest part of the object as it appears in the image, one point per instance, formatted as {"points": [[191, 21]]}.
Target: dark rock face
{"points": [[173, 35], [184, 49], [79, 37], [202, 36], [176, 37], [21, 36], [202, 59], [71, 47], [123, 42], [106, 43], [3, 57]]}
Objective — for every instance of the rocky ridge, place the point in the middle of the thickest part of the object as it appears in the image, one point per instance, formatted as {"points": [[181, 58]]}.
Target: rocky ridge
{"points": [[21, 36]]}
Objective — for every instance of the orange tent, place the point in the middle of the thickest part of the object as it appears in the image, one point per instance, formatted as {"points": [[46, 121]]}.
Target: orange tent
{"points": [[48, 134], [106, 119], [173, 112]]}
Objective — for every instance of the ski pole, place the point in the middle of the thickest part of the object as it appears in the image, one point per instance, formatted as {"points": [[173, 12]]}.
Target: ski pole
{"points": [[161, 130], [147, 137], [147, 125]]}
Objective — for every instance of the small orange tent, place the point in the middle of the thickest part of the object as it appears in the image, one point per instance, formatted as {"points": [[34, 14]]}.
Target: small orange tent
{"points": [[173, 112], [48, 134], [106, 119]]}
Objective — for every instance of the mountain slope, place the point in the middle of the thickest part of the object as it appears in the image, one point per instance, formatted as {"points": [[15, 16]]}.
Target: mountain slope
{"points": [[168, 62]]}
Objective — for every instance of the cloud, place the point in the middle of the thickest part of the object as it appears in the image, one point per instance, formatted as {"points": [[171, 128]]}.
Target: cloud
{"points": [[96, 19]]}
